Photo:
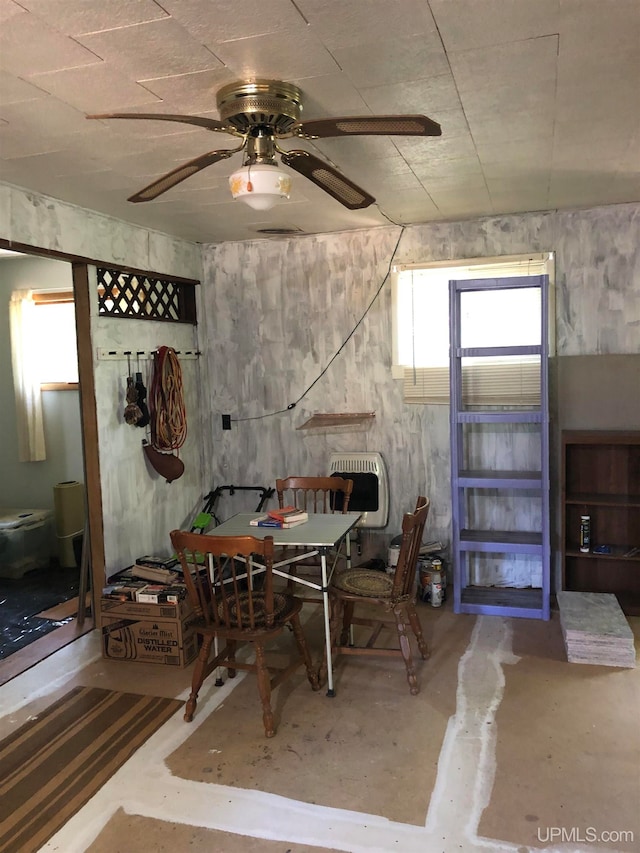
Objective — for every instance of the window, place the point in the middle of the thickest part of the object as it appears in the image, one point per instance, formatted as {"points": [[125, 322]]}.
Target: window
{"points": [[54, 328], [499, 318]]}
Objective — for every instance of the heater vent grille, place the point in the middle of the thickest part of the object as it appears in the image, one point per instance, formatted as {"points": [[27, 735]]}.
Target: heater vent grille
{"points": [[369, 473]]}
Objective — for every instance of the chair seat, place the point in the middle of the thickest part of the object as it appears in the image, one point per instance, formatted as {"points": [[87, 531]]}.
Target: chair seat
{"points": [[365, 582], [393, 595], [284, 606]]}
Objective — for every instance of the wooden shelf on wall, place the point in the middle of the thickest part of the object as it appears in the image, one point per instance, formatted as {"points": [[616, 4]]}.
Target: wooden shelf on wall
{"points": [[339, 422]]}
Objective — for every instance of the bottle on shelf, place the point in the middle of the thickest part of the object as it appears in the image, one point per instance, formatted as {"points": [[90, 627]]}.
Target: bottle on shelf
{"points": [[585, 533]]}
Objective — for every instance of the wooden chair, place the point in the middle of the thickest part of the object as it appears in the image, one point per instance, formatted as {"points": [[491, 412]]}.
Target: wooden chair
{"points": [[392, 594], [313, 494], [233, 597]]}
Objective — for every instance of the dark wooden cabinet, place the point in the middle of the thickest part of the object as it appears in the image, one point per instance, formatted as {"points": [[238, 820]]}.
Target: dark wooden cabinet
{"points": [[601, 479]]}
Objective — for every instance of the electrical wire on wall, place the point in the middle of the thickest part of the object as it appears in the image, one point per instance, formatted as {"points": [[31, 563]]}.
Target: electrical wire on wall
{"points": [[338, 351]]}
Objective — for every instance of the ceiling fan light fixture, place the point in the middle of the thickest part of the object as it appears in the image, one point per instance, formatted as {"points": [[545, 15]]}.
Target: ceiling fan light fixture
{"points": [[260, 185]]}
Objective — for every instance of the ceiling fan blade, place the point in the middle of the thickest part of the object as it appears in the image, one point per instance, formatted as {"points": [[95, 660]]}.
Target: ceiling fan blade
{"points": [[400, 125], [201, 121], [166, 182], [328, 179]]}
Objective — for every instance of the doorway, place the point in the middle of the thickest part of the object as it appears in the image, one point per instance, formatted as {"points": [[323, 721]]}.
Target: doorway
{"points": [[37, 615]]}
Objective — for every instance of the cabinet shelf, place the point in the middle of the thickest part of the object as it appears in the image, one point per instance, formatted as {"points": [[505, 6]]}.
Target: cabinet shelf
{"points": [[601, 478], [618, 552], [597, 499]]}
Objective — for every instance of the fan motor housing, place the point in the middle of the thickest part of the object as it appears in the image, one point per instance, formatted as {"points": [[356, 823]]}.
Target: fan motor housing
{"points": [[267, 103]]}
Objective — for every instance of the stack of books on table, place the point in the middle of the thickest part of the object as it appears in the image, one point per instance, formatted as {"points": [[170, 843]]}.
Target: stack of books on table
{"points": [[288, 516]]}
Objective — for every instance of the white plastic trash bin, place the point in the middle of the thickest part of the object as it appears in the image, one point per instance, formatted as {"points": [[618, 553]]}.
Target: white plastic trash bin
{"points": [[25, 541]]}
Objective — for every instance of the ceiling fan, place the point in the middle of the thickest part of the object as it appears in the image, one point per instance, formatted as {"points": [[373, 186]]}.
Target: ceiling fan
{"points": [[260, 113]]}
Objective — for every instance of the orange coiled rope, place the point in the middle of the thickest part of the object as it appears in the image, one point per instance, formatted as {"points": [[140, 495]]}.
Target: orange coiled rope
{"points": [[166, 402]]}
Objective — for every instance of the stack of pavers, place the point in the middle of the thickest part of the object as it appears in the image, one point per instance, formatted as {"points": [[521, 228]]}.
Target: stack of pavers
{"points": [[595, 629]]}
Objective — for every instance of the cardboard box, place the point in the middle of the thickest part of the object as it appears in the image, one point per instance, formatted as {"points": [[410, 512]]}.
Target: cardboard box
{"points": [[143, 610], [148, 633]]}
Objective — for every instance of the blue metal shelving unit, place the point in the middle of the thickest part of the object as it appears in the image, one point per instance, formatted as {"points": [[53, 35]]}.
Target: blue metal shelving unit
{"points": [[470, 544]]}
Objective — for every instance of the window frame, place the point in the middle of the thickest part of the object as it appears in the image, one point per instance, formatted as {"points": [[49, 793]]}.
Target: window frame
{"points": [[505, 266], [55, 297]]}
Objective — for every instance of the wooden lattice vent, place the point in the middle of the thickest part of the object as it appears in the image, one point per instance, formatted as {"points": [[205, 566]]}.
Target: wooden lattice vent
{"points": [[140, 297]]}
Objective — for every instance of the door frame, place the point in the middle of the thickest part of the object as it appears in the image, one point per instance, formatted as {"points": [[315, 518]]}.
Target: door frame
{"points": [[88, 408]]}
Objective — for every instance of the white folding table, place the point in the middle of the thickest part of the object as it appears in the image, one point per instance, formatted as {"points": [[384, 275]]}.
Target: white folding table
{"points": [[322, 533]]}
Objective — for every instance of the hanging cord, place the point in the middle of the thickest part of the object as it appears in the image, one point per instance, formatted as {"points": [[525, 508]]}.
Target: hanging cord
{"points": [[166, 402], [338, 351]]}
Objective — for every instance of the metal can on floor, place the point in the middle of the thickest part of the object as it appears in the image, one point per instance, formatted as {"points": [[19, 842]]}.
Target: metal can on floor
{"points": [[436, 583]]}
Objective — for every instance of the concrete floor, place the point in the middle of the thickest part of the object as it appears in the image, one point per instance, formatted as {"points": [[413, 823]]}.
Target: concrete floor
{"points": [[507, 748]]}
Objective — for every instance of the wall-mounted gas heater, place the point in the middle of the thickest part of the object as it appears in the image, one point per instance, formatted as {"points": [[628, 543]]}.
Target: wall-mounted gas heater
{"points": [[370, 494]]}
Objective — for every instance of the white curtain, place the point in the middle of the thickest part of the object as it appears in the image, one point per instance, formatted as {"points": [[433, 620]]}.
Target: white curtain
{"points": [[26, 379]]}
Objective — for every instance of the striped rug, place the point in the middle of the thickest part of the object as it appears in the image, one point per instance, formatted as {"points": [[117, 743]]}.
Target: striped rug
{"points": [[54, 763]]}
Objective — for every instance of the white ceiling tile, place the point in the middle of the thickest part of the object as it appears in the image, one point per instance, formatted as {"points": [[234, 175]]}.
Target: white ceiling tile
{"points": [[580, 191], [121, 131], [13, 90], [17, 145], [45, 116], [8, 9], [408, 206], [75, 17], [431, 148], [462, 168], [156, 49], [392, 61], [516, 172], [366, 148], [277, 56], [519, 183], [521, 66], [193, 93], [524, 151], [343, 24], [594, 25], [515, 126], [468, 202], [330, 95], [469, 24], [228, 20], [590, 155], [454, 183], [95, 88], [430, 96], [28, 46], [520, 200]]}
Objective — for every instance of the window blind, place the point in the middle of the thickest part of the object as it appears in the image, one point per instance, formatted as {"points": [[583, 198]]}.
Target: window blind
{"points": [[515, 384]]}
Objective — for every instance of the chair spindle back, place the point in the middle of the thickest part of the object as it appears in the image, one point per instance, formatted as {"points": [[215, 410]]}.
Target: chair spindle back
{"points": [[412, 530], [223, 580], [315, 494]]}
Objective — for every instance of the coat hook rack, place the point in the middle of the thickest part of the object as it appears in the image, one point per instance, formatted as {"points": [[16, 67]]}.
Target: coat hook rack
{"points": [[106, 354]]}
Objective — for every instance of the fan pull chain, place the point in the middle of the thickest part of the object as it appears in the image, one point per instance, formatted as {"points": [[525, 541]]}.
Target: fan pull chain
{"points": [[249, 184]]}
